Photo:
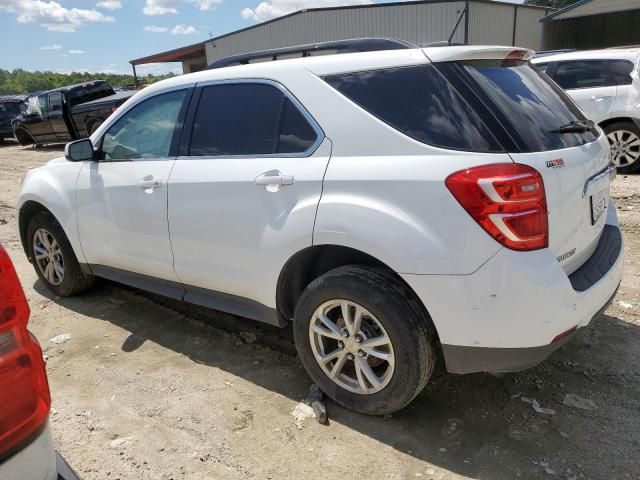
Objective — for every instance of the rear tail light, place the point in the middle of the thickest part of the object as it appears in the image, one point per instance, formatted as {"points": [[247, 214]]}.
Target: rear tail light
{"points": [[24, 391], [507, 200]]}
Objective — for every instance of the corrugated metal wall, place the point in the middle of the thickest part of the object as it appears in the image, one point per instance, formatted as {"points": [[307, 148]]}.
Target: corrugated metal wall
{"points": [[594, 31], [528, 28], [489, 23]]}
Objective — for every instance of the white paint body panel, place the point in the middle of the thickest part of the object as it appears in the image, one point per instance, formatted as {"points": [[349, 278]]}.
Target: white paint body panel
{"points": [[122, 225], [233, 236], [517, 299], [37, 461]]}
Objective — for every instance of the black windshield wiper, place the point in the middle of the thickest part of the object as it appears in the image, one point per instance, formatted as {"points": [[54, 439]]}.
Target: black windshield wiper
{"points": [[578, 126]]}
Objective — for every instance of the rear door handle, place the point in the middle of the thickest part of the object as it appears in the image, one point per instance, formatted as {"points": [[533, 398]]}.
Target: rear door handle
{"points": [[274, 179], [599, 98], [149, 184]]}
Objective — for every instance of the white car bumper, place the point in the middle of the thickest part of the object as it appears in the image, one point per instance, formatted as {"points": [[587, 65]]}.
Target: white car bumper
{"points": [[509, 314]]}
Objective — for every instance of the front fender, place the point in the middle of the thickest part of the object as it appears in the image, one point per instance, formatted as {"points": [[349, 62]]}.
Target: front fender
{"points": [[53, 187]]}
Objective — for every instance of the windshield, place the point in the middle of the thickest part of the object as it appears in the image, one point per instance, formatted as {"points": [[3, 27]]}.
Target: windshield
{"points": [[526, 101]]}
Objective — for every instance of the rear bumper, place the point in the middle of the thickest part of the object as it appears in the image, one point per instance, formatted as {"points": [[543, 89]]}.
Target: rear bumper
{"points": [[506, 315]]}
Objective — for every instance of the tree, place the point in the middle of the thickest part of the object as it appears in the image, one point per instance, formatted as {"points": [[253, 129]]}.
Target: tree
{"points": [[550, 3]]}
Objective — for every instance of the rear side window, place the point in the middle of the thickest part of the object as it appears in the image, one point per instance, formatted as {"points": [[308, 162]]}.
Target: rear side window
{"points": [[581, 74], [248, 119], [619, 72], [419, 102]]}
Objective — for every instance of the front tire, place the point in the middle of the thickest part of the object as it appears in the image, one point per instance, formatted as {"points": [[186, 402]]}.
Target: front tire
{"points": [[53, 258], [364, 339], [624, 140]]}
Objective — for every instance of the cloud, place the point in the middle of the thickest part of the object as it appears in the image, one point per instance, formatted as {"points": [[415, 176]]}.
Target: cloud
{"points": [[110, 4], [277, 8], [76, 52], [54, 46], [164, 7], [183, 30], [51, 15], [155, 29], [160, 7]]}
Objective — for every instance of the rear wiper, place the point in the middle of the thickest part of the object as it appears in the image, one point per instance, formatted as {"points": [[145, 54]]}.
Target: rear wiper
{"points": [[578, 126]]}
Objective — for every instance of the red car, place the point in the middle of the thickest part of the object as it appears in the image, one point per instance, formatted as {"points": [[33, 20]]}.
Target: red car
{"points": [[26, 446]]}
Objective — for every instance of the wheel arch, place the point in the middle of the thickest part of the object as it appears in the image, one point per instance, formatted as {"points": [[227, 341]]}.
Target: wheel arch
{"points": [[23, 136], [611, 121], [308, 264], [27, 211]]}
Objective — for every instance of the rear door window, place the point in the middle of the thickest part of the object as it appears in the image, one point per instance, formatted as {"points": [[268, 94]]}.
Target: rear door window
{"points": [[619, 72], [581, 74], [524, 100], [249, 119], [419, 102]]}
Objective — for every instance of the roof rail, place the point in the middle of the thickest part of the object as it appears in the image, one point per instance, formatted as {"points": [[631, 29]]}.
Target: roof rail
{"points": [[351, 45]]}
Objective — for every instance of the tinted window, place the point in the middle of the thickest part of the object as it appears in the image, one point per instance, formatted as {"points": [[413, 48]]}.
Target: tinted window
{"points": [[296, 134], [581, 74], [146, 130], [419, 102], [526, 102], [240, 119], [619, 72], [10, 108], [42, 105], [89, 92], [55, 102], [541, 66]]}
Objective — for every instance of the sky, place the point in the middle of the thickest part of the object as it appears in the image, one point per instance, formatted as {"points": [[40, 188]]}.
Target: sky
{"points": [[103, 35]]}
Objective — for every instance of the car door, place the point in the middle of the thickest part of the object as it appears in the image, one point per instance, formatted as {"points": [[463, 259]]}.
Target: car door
{"points": [[121, 200], [56, 117], [37, 119], [243, 194], [586, 81]]}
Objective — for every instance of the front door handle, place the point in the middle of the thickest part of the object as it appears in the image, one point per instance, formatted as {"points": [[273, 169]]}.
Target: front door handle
{"points": [[274, 179], [149, 184]]}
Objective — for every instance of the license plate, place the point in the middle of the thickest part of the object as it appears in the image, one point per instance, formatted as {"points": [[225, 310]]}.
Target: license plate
{"points": [[599, 203]]}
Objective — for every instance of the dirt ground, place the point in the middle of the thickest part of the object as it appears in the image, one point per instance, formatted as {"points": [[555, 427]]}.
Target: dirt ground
{"points": [[147, 388]]}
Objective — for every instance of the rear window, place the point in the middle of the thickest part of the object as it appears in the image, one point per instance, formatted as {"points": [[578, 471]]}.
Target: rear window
{"points": [[525, 102], [419, 102]]}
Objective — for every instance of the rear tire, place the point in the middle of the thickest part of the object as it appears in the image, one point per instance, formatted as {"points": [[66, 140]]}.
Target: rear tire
{"points": [[402, 366], [624, 140], [53, 257]]}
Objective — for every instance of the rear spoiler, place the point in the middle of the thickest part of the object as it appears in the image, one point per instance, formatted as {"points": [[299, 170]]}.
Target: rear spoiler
{"points": [[479, 52]]}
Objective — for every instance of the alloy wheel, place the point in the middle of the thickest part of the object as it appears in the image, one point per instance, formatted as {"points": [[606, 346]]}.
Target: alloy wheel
{"points": [[351, 346], [625, 147], [48, 256]]}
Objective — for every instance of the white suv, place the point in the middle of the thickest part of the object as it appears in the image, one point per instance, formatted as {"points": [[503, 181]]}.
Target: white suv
{"points": [[399, 207], [606, 85]]}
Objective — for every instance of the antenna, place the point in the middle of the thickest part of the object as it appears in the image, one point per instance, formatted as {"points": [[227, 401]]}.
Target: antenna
{"points": [[465, 11]]}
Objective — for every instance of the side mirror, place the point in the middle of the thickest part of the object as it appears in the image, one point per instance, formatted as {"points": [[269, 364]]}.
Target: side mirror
{"points": [[79, 151]]}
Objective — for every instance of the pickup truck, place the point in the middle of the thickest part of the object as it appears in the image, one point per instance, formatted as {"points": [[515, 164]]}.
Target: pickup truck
{"points": [[67, 113]]}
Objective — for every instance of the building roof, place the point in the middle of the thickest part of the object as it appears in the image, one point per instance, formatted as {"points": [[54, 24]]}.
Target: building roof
{"points": [[371, 5], [585, 8], [177, 55]]}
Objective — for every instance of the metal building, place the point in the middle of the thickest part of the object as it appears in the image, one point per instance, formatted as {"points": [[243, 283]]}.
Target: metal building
{"points": [[419, 21], [589, 24]]}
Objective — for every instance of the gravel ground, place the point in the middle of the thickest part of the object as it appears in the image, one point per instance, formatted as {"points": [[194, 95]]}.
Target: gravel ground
{"points": [[148, 388]]}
